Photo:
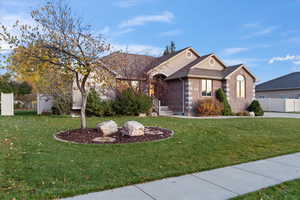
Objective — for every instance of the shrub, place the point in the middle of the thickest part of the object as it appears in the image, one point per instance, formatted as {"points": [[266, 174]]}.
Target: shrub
{"points": [[132, 103], [209, 107], [256, 108], [62, 105], [55, 110], [221, 96], [97, 107]]}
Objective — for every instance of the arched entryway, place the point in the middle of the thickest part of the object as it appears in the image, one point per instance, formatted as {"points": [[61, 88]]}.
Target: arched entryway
{"points": [[158, 88]]}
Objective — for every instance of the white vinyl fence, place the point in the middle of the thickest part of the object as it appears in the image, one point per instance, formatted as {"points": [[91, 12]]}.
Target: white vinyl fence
{"points": [[44, 103], [280, 105], [7, 104]]}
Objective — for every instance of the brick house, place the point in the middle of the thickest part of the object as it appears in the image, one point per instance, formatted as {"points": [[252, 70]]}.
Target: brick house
{"points": [[183, 78]]}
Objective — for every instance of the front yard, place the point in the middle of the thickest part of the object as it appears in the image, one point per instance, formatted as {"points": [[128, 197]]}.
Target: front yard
{"points": [[35, 166]]}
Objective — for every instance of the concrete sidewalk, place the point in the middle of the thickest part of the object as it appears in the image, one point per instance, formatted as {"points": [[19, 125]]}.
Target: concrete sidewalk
{"points": [[266, 115], [283, 115], [218, 184]]}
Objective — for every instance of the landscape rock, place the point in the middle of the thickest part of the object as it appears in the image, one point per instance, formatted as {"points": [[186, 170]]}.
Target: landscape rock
{"points": [[134, 128], [142, 115], [154, 114], [104, 139], [251, 114], [107, 127], [153, 132]]}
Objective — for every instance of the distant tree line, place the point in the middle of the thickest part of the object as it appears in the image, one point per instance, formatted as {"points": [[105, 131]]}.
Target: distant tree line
{"points": [[8, 85], [170, 49]]}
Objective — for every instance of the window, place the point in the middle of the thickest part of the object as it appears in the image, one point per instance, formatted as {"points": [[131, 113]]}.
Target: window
{"points": [[189, 54], [240, 86], [207, 88], [135, 85], [212, 61], [125, 84]]}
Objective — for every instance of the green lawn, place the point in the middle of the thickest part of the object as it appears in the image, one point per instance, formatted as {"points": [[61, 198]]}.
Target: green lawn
{"points": [[35, 166], [286, 191]]}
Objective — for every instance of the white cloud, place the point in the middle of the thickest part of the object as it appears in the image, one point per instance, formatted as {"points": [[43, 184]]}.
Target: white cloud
{"points": [[171, 33], [294, 58], [232, 51], [123, 31], [165, 17], [109, 33], [8, 20], [297, 62], [127, 3], [252, 25], [138, 49], [4, 47], [261, 32]]}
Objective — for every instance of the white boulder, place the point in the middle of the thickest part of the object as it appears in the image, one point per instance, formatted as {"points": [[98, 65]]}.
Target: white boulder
{"points": [[107, 127], [251, 114], [134, 128]]}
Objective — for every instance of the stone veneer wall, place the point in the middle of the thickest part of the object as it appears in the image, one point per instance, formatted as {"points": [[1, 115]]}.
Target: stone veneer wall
{"points": [[188, 98]]}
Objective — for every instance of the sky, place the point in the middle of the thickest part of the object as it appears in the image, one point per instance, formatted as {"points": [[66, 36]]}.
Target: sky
{"points": [[262, 34]]}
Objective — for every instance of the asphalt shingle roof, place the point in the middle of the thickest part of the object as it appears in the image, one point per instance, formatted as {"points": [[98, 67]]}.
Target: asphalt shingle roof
{"points": [[134, 66], [189, 71], [289, 81]]}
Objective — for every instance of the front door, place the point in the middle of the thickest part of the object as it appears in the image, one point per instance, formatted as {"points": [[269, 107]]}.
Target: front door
{"points": [[158, 90]]}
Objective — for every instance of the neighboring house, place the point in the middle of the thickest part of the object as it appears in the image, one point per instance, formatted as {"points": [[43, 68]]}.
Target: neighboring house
{"points": [[284, 87], [181, 79]]}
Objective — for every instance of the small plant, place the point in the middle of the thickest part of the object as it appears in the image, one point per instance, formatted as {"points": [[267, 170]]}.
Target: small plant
{"points": [[209, 107], [221, 96], [55, 110], [256, 108]]}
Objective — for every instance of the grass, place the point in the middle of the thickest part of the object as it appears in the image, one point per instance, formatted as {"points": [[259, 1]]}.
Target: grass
{"points": [[285, 191], [35, 166]]}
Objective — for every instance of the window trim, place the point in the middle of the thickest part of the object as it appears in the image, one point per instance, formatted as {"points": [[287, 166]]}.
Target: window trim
{"points": [[241, 87], [204, 92]]}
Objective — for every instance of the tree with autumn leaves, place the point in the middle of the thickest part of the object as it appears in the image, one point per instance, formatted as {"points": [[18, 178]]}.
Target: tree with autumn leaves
{"points": [[61, 40]]}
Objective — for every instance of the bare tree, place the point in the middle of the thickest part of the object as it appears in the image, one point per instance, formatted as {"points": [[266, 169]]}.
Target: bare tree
{"points": [[62, 40]]}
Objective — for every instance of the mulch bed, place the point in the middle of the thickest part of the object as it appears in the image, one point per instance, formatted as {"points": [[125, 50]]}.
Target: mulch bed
{"points": [[86, 136]]}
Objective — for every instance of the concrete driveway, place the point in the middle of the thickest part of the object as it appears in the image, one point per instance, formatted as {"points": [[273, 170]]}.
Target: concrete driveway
{"points": [[284, 115]]}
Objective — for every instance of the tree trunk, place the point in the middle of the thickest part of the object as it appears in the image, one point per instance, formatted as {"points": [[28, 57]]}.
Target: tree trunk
{"points": [[82, 112]]}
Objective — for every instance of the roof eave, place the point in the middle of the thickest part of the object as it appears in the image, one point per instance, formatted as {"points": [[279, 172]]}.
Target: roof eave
{"points": [[241, 66], [185, 49], [276, 89], [197, 76]]}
